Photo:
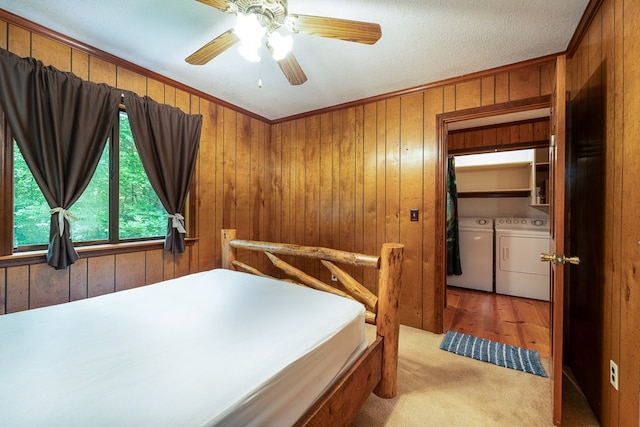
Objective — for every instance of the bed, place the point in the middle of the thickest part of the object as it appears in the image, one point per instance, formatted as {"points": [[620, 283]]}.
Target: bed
{"points": [[230, 346]]}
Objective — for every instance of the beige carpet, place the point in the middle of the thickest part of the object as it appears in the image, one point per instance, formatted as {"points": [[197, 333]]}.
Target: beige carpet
{"points": [[438, 388]]}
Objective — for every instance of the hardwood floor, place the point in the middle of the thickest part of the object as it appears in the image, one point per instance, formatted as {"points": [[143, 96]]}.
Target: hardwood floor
{"points": [[511, 320]]}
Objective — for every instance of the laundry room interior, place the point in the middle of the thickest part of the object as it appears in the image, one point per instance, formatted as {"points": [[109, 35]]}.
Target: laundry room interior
{"points": [[500, 200]]}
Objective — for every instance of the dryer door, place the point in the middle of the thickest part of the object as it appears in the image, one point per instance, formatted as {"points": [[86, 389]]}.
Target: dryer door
{"points": [[521, 254]]}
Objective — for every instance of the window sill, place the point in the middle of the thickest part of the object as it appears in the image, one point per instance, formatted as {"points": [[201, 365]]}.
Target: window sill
{"points": [[40, 257]]}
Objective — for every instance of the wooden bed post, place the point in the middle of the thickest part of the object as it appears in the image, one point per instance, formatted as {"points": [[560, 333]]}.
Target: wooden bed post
{"points": [[388, 319], [228, 252]]}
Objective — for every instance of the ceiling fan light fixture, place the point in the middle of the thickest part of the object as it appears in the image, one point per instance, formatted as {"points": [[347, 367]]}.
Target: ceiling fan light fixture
{"points": [[280, 45], [250, 32]]}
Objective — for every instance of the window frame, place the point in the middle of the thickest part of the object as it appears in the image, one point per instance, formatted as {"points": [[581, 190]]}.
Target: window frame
{"points": [[113, 244]]}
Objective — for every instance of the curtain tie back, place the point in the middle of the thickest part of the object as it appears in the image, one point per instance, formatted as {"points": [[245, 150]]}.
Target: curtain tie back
{"points": [[177, 221], [62, 214]]}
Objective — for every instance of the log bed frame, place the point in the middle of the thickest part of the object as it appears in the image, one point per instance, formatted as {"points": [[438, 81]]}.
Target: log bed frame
{"points": [[376, 369]]}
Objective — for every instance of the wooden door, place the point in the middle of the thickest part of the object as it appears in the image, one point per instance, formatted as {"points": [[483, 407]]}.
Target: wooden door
{"points": [[556, 241], [585, 205]]}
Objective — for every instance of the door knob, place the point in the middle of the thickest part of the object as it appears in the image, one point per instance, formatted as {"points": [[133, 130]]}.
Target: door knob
{"points": [[559, 259]]}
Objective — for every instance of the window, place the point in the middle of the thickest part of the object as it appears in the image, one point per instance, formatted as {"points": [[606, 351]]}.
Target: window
{"points": [[118, 205]]}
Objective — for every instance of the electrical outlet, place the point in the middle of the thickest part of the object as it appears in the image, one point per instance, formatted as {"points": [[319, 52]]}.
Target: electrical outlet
{"points": [[613, 374], [334, 278]]}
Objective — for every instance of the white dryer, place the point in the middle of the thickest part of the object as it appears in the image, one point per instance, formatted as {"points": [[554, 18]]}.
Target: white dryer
{"points": [[519, 271], [476, 254]]}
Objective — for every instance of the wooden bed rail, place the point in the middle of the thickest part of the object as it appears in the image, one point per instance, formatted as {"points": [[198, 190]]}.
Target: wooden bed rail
{"points": [[382, 309]]}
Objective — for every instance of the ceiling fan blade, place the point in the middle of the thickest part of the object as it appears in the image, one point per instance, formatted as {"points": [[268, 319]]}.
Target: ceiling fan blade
{"points": [[292, 70], [222, 5], [214, 48], [352, 31]]}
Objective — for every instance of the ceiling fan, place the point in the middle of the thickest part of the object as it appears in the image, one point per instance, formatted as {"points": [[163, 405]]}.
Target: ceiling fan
{"points": [[266, 17]]}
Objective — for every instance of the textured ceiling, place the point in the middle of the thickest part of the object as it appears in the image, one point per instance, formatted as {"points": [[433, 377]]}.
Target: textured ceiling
{"points": [[423, 41]]}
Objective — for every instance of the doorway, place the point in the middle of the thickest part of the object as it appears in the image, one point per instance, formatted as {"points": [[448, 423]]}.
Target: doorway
{"points": [[512, 305]]}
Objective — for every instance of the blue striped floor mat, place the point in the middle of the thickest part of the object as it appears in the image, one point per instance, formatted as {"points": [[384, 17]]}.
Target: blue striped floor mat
{"points": [[499, 354]]}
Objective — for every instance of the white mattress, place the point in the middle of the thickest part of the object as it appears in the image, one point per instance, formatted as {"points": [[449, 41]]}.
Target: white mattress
{"points": [[213, 348]]}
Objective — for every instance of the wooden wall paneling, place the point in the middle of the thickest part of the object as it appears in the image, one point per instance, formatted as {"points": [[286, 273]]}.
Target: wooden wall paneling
{"points": [[432, 295], [229, 219], [370, 244], [168, 265], [3, 278], [473, 139], [17, 289], [101, 275], [469, 94], [208, 202], [182, 262], [101, 71], [488, 91], [269, 189], [526, 132], [288, 183], [613, 46], [312, 189], [170, 95], [325, 176], [47, 286], [524, 83], [381, 179], [265, 164], [277, 183], [129, 80], [359, 187], [51, 52], [503, 135], [336, 168], [450, 98], [242, 177], [130, 270], [191, 211], [183, 101], [299, 170], [411, 196], [3, 34], [194, 258], [541, 130], [502, 90], [514, 133], [155, 90], [392, 192], [629, 365], [347, 182], [256, 162], [80, 64], [154, 265], [547, 78], [78, 280], [455, 141], [19, 41], [489, 137]]}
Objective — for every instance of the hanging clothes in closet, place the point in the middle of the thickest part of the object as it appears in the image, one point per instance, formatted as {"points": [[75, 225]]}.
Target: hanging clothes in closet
{"points": [[454, 266]]}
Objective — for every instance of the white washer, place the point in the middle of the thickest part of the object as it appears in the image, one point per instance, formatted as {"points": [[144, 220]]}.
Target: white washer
{"points": [[476, 254], [519, 271]]}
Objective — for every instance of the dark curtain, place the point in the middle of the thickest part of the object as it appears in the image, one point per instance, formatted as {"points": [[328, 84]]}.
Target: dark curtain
{"points": [[453, 240], [167, 140], [61, 124]]}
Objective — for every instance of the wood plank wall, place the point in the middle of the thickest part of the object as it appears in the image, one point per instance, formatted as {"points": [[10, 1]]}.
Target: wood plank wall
{"points": [[228, 191], [344, 179], [348, 178], [612, 40], [499, 137]]}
